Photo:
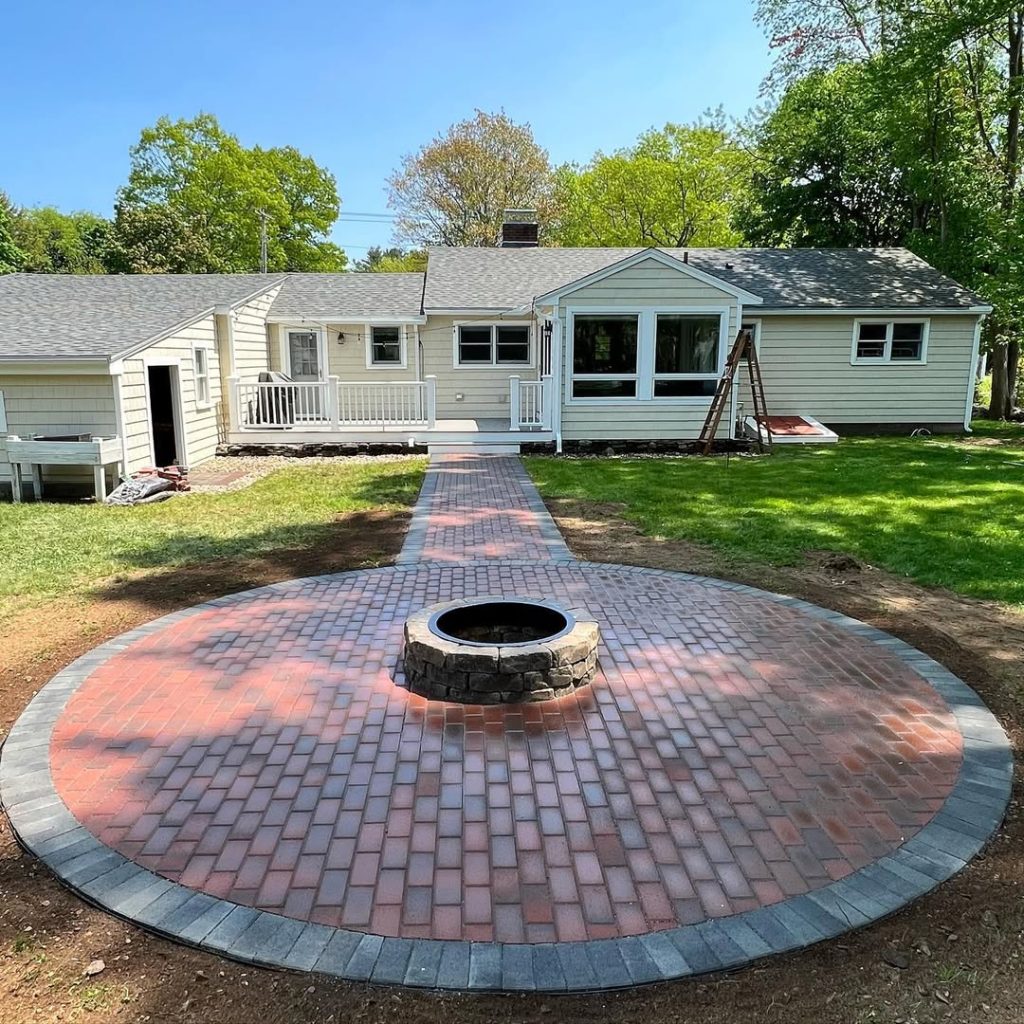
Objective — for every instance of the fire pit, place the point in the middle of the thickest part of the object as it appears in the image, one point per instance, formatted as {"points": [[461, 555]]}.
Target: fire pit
{"points": [[498, 650]]}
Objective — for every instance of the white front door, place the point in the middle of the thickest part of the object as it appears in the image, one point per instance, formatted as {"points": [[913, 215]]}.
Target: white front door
{"points": [[305, 362], [304, 352]]}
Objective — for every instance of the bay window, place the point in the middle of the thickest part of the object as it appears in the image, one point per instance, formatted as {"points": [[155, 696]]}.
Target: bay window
{"points": [[604, 355]]}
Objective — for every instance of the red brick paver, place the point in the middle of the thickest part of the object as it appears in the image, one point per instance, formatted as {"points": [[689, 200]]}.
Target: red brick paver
{"points": [[733, 751], [481, 506]]}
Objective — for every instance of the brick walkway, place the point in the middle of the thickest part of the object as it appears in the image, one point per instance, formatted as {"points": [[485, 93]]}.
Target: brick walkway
{"points": [[747, 774], [480, 506]]}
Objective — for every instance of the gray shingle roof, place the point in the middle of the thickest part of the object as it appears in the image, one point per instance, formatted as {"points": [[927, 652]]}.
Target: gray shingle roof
{"points": [[313, 296], [64, 316], [482, 278]]}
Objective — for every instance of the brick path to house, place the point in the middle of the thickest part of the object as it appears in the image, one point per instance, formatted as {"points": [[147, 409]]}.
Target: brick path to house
{"points": [[747, 774]]}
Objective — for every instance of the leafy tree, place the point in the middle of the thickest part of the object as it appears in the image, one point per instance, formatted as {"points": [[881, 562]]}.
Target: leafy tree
{"points": [[156, 239], [454, 190], [11, 257], [195, 174], [392, 261], [676, 186], [937, 92], [52, 242]]}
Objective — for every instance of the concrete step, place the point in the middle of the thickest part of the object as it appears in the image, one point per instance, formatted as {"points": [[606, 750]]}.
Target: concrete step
{"points": [[472, 448]]}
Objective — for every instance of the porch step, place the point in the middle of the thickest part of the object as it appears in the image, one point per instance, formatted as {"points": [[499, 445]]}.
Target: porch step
{"points": [[471, 447]]}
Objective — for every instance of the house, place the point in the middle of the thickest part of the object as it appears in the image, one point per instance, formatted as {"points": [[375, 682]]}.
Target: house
{"points": [[510, 345]]}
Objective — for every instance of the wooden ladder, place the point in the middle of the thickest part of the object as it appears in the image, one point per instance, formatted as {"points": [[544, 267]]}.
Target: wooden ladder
{"points": [[743, 348]]}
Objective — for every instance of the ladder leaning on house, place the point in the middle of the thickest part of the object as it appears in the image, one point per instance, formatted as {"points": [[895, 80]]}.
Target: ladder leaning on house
{"points": [[743, 348]]}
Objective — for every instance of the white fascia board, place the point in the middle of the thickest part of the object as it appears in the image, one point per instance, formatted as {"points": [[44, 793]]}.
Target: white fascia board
{"points": [[69, 367], [745, 297], [300, 319], [910, 311]]}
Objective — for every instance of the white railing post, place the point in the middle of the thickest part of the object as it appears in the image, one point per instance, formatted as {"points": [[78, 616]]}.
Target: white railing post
{"points": [[234, 423], [431, 400], [333, 404], [514, 402], [547, 399]]}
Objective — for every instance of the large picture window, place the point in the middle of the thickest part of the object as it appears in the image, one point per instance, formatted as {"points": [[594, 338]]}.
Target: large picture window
{"points": [[493, 345], [687, 352], [604, 355]]}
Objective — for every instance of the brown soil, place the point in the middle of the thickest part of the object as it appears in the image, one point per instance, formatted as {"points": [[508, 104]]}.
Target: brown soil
{"points": [[962, 945]]}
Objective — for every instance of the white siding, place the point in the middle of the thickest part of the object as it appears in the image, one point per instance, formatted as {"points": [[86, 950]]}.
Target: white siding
{"points": [[250, 335], [484, 389], [805, 363], [200, 425], [648, 284], [51, 404]]}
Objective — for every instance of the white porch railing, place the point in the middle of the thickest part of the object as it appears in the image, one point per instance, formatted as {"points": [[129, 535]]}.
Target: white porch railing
{"points": [[262, 406], [400, 403], [530, 403], [332, 404]]}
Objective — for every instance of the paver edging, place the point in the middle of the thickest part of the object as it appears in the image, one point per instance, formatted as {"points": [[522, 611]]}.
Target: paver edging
{"points": [[47, 828]]}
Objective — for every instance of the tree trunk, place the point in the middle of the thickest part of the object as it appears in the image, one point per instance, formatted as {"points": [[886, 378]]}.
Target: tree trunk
{"points": [[1012, 374], [999, 405]]}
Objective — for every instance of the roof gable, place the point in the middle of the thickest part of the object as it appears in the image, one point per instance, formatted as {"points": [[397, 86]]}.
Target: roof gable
{"points": [[680, 266]]}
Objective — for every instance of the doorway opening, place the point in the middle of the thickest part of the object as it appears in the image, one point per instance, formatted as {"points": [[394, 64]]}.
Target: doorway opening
{"points": [[163, 415]]}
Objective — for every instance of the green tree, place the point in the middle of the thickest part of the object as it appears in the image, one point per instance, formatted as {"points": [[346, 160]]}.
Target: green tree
{"points": [[392, 261], [455, 189], [52, 242], [11, 257], [195, 174], [676, 186], [156, 239], [940, 86]]}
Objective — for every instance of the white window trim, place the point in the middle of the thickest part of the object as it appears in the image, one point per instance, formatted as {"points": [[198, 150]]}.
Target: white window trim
{"points": [[206, 404], [493, 364], [647, 319], [3, 414], [886, 358], [286, 348], [402, 363]]}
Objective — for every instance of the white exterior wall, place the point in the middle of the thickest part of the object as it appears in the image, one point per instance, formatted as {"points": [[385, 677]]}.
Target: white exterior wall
{"points": [[643, 286], [56, 404], [484, 389], [249, 333], [805, 364], [200, 426]]}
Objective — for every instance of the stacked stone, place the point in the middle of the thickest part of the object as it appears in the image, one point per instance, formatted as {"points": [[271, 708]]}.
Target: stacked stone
{"points": [[443, 669]]}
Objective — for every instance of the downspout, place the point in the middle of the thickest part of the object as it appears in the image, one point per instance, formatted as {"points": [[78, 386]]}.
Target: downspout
{"points": [[972, 376], [119, 420], [556, 377]]}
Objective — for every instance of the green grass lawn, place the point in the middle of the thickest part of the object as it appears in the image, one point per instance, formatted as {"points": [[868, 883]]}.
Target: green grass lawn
{"points": [[47, 549], [942, 511]]}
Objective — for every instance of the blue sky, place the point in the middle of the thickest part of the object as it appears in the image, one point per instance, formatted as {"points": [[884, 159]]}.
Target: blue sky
{"points": [[353, 84]]}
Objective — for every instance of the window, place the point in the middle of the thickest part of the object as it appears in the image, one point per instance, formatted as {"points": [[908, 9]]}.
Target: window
{"points": [[200, 357], [493, 345], [686, 355], [888, 341], [604, 355], [386, 346]]}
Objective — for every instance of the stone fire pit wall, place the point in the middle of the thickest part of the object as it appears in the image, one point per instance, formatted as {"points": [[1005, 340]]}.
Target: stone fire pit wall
{"points": [[443, 668]]}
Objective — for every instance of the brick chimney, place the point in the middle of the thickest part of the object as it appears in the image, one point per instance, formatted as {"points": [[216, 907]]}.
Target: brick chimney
{"points": [[519, 230]]}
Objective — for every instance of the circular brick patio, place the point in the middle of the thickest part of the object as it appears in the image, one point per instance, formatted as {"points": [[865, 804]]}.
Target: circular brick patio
{"points": [[746, 774]]}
